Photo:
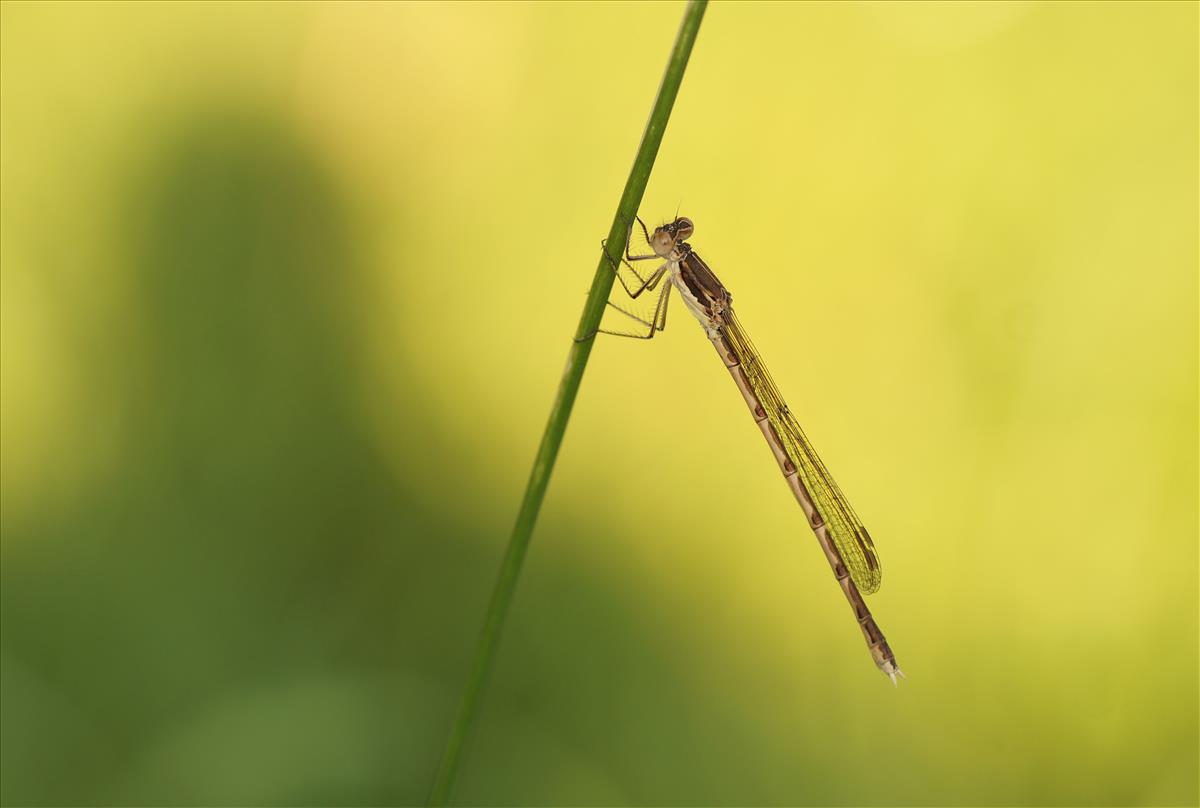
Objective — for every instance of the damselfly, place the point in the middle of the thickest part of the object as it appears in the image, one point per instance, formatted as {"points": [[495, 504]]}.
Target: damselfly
{"points": [[844, 540]]}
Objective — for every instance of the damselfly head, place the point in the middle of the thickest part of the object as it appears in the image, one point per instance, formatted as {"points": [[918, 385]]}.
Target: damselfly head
{"points": [[683, 228], [668, 235]]}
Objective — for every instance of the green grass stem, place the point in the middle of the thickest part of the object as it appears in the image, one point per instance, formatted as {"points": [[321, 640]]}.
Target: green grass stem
{"points": [[556, 427]]}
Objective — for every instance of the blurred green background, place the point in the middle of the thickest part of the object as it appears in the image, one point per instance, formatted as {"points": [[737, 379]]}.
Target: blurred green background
{"points": [[287, 290]]}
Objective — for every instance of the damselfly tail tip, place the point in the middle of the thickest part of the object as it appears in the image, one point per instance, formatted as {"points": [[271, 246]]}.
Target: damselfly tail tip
{"points": [[886, 661]]}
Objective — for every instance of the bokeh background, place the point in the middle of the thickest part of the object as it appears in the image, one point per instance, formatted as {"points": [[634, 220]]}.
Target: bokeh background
{"points": [[287, 290]]}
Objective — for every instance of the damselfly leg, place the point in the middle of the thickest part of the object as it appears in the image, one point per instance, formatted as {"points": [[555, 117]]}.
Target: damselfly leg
{"points": [[658, 318], [629, 238], [656, 323], [643, 284]]}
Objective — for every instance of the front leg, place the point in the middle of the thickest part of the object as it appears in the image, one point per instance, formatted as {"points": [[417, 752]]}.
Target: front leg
{"points": [[629, 238]]}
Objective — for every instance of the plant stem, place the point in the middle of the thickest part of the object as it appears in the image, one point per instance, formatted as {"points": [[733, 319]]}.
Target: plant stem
{"points": [[556, 427]]}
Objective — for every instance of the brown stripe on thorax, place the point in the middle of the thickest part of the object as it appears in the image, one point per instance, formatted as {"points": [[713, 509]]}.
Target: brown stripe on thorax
{"points": [[702, 283]]}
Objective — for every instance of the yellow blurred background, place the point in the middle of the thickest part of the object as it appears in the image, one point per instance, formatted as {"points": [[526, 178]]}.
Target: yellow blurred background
{"points": [[286, 293]]}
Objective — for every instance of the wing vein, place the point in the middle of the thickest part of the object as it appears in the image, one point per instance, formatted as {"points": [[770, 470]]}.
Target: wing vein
{"points": [[850, 538]]}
